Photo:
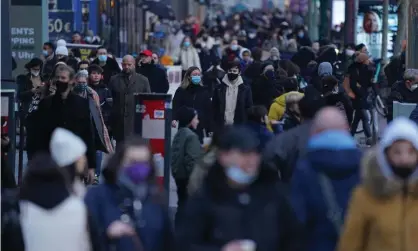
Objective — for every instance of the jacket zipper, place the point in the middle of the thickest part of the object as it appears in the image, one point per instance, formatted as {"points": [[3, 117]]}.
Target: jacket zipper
{"points": [[403, 215]]}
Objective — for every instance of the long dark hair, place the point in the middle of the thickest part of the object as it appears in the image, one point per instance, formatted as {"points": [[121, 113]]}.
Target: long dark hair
{"points": [[111, 170], [42, 169]]}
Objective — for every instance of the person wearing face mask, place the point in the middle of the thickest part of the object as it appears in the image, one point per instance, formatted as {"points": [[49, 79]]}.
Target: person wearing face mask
{"points": [[385, 204], [64, 109], [231, 200], [129, 204], [188, 55], [302, 38], [108, 64], [405, 91], [245, 58], [123, 86], [156, 76], [49, 58], [230, 53], [95, 81], [231, 98], [103, 143], [193, 93], [274, 57], [265, 89], [186, 150]]}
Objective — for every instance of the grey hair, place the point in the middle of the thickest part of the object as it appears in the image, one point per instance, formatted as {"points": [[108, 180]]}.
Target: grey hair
{"points": [[82, 74], [410, 74], [293, 98]]}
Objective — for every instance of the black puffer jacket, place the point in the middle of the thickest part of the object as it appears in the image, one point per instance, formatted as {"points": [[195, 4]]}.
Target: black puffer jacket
{"points": [[218, 214]]}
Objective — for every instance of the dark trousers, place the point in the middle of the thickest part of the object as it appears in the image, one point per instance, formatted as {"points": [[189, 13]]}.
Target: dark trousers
{"points": [[182, 196], [361, 114]]}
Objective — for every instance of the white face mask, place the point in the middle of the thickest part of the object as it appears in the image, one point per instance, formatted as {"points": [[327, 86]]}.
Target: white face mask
{"points": [[35, 73], [251, 35], [414, 87], [349, 52]]}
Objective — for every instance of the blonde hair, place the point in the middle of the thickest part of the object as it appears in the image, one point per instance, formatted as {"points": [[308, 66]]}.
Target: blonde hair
{"points": [[186, 78], [293, 98]]}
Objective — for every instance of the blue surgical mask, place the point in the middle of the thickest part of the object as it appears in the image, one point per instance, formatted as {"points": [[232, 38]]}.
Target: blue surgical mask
{"points": [[45, 53], [237, 175], [186, 44], [234, 47], [196, 79], [80, 88], [102, 58]]}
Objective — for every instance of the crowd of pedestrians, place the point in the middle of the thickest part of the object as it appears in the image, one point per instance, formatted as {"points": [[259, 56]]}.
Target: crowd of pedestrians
{"points": [[264, 157]]}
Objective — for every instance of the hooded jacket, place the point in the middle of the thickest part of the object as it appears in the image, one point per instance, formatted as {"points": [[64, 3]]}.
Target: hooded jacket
{"points": [[278, 108], [383, 211], [332, 155]]}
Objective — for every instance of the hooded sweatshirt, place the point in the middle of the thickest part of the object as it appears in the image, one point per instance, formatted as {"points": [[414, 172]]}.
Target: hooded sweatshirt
{"points": [[231, 98]]}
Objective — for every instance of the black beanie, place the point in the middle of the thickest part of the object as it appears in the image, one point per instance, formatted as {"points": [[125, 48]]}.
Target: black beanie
{"points": [[185, 115]]}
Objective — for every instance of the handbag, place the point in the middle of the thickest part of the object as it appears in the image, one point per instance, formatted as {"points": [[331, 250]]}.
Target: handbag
{"points": [[334, 211]]}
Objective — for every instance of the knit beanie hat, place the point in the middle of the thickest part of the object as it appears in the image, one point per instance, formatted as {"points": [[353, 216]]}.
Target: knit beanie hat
{"points": [[325, 69], [61, 50], [66, 147], [185, 116]]}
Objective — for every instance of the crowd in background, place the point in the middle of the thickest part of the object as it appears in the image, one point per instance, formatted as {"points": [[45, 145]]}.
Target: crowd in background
{"points": [[264, 157]]}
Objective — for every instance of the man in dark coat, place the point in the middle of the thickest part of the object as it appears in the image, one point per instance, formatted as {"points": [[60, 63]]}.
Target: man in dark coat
{"points": [[50, 59], [405, 91], [240, 202], [157, 77], [109, 65], [123, 86], [231, 98], [67, 110]]}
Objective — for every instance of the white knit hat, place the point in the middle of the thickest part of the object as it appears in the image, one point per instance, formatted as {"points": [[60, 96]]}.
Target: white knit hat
{"points": [[400, 129], [61, 50], [66, 147], [61, 42]]}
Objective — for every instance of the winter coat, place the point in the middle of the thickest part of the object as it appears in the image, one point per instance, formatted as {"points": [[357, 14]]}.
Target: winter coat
{"points": [[206, 57], [212, 77], [110, 69], [101, 136], [253, 71], [218, 214], [263, 134], [73, 115], [189, 57], [198, 98], [402, 94], [414, 115], [285, 149], [278, 108], [108, 203], [123, 109], [383, 211], [24, 91], [105, 104], [157, 77], [331, 166], [228, 56], [186, 151], [244, 101], [360, 82]]}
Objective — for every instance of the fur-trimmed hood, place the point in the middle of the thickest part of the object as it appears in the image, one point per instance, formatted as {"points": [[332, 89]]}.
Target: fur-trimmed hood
{"points": [[379, 180]]}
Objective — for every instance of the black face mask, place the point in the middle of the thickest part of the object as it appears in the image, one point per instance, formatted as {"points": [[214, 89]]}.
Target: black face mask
{"points": [[61, 86], [232, 76], [402, 172]]}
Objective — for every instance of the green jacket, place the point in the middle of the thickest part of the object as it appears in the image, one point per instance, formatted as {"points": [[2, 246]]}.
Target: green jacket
{"points": [[185, 152]]}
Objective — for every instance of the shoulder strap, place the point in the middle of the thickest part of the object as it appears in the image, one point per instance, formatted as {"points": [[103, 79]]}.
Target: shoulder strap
{"points": [[334, 211]]}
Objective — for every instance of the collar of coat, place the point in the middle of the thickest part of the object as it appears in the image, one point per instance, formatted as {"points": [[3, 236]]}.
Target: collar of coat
{"points": [[380, 181]]}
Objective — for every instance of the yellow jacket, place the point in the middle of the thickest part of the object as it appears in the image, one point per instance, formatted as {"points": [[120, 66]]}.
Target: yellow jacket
{"points": [[278, 108], [383, 213]]}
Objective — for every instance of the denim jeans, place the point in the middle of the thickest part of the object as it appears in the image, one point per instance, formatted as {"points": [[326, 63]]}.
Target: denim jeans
{"points": [[363, 115], [99, 157]]}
